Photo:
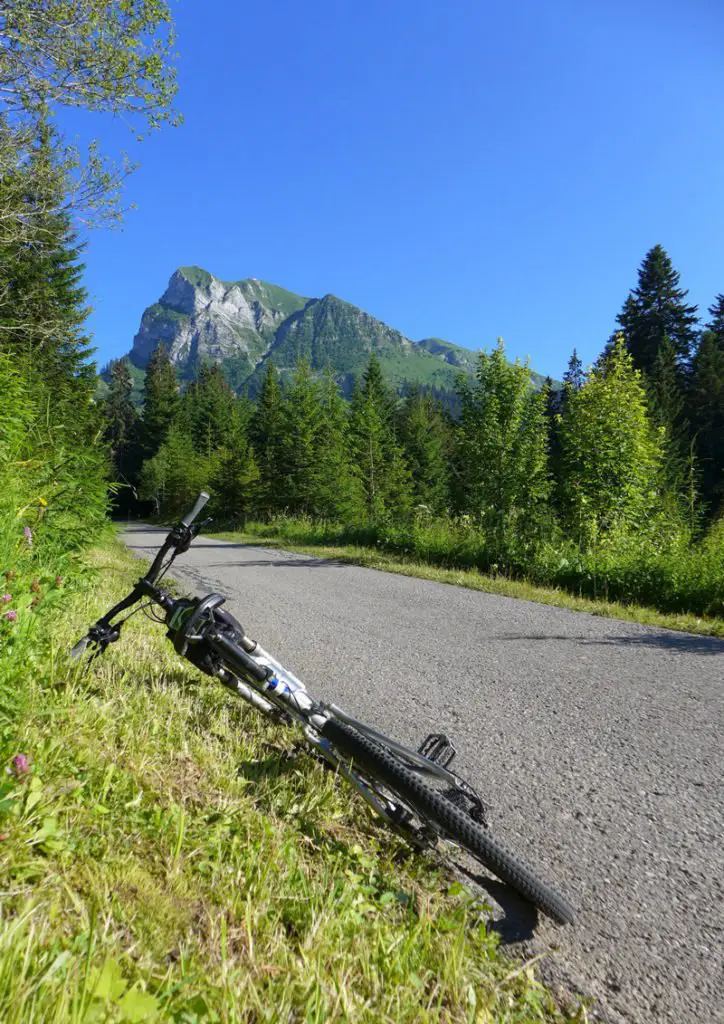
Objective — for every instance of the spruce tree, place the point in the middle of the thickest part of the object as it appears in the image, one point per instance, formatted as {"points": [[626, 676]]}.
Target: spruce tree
{"points": [[339, 495], [266, 434], [656, 309], [160, 401], [574, 377], [378, 458], [207, 409], [43, 304], [706, 404], [121, 418], [299, 446], [235, 479], [426, 444]]}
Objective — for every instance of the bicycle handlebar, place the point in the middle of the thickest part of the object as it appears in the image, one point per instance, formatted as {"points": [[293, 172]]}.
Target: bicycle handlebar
{"points": [[188, 519]]}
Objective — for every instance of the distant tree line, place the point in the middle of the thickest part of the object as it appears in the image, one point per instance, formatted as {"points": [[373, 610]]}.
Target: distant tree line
{"points": [[635, 443]]}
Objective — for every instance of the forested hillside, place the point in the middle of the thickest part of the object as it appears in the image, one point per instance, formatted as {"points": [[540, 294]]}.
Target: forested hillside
{"points": [[612, 485], [244, 325]]}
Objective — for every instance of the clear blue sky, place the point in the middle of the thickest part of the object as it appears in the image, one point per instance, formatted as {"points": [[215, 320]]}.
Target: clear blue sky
{"points": [[465, 169]]}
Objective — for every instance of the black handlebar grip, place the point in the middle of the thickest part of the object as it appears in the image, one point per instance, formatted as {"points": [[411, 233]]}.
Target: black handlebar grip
{"points": [[200, 502]]}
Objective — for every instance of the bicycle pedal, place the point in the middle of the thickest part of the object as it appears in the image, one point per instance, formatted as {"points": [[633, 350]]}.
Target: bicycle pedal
{"points": [[438, 749]]}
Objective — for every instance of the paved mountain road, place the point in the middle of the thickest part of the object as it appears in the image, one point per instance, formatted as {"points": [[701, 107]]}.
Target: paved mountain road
{"points": [[599, 743]]}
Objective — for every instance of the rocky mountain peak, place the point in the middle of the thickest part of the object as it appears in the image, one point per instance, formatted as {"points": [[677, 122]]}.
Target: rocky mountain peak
{"points": [[242, 324]]}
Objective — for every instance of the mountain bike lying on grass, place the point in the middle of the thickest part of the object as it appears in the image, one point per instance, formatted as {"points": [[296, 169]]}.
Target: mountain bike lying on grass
{"points": [[413, 791]]}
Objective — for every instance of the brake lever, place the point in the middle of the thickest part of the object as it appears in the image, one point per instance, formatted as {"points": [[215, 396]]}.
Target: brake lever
{"points": [[100, 636]]}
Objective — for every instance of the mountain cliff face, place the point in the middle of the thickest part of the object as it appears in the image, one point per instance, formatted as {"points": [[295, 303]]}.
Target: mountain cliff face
{"points": [[242, 324]]}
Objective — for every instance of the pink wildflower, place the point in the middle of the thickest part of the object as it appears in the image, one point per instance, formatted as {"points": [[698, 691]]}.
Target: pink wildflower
{"points": [[28, 533], [6, 598], [21, 766]]}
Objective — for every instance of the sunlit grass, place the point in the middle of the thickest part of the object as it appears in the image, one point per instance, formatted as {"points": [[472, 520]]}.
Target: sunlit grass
{"points": [[292, 536], [171, 856]]}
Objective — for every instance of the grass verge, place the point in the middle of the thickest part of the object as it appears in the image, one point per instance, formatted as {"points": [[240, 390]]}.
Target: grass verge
{"points": [[373, 558], [167, 855]]}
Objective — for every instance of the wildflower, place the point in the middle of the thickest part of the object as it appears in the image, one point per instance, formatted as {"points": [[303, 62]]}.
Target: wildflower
{"points": [[11, 616], [28, 533], [4, 836], [6, 598], [42, 501], [21, 766]]}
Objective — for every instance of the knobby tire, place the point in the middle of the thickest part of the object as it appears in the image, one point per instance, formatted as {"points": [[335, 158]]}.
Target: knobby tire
{"points": [[434, 807]]}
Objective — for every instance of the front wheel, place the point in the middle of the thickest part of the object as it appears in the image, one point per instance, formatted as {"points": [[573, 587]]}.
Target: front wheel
{"points": [[436, 809]]}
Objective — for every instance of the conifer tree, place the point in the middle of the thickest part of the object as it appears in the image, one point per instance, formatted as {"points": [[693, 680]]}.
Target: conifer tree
{"points": [[657, 309], [426, 444], [43, 305], [207, 409], [377, 455], [235, 479], [339, 494], [574, 377], [299, 446], [706, 402], [267, 435], [121, 418], [160, 401]]}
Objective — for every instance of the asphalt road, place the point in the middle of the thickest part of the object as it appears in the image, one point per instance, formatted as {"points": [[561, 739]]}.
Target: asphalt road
{"points": [[599, 744]]}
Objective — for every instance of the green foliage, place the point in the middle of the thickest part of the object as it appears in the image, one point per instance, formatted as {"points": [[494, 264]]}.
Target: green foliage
{"points": [[207, 409], [656, 309], [165, 859], [426, 439], [160, 402], [172, 479], [706, 407], [612, 455], [107, 56], [503, 456], [376, 453], [267, 438], [122, 424]]}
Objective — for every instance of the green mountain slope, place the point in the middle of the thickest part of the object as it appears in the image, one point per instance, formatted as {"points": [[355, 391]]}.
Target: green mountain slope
{"points": [[244, 324]]}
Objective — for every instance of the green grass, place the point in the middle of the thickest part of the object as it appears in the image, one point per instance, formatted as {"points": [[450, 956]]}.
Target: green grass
{"points": [[305, 538], [170, 856]]}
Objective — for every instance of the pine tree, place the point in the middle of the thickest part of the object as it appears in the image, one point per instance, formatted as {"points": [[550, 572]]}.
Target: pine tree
{"points": [[339, 495], [706, 402], [574, 377], [503, 451], [266, 435], [235, 480], [121, 418], [299, 446], [207, 409], [426, 444], [656, 309], [160, 401], [377, 455], [612, 454], [43, 305], [666, 397]]}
